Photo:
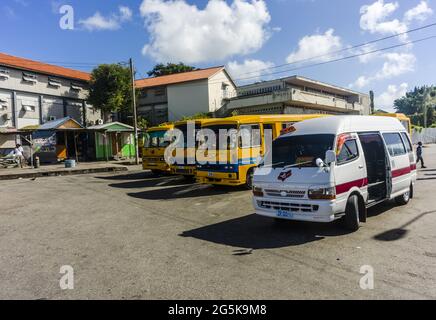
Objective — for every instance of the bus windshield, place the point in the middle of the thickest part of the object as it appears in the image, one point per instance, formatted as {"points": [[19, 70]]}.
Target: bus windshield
{"points": [[300, 151], [156, 139]]}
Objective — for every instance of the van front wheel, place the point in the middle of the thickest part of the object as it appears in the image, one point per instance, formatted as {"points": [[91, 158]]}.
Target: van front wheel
{"points": [[351, 218], [249, 179]]}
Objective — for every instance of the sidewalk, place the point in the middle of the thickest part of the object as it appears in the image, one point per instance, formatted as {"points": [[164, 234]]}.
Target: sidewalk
{"points": [[60, 170]]}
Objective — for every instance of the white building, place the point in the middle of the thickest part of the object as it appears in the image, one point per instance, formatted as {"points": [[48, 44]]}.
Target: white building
{"points": [[172, 97], [296, 95]]}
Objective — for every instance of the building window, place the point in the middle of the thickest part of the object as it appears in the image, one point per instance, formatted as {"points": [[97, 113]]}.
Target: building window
{"points": [[4, 74], [76, 86], [30, 78], [54, 83], [28, 108], [159, 92]]}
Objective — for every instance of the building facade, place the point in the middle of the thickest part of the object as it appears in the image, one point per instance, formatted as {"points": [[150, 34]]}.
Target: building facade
{"points": [[33, 93], [172, 97], [296, 95]]}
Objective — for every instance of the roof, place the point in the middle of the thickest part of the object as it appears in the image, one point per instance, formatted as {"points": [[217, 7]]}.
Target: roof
{"points": [[178, 77], [66, 123], [347, 124], [35, 66], [251, 119], [112, 127]]}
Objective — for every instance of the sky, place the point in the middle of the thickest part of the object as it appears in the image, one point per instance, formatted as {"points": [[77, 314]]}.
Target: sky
{"points": [[255, 39]]}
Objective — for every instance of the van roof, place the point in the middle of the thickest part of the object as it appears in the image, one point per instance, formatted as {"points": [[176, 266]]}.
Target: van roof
{"points": [[345, 124]]}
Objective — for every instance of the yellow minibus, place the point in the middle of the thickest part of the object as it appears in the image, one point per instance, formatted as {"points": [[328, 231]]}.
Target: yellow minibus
{"points": [[236, 172]]}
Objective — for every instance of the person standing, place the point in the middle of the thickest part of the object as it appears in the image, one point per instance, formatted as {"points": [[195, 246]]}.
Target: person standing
{"points": [[19, 155], [419, 157]]}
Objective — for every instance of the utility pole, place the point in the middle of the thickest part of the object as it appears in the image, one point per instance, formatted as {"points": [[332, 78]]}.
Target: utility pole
{"points": [[135, 114]]}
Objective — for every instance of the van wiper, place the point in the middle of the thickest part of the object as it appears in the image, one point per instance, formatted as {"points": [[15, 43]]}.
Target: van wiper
{"points": [[297, 164]]}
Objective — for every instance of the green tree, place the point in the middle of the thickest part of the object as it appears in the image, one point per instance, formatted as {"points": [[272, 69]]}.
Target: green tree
{"points": [[170, 68], [198, 116], [110, 89], [415, 101], [143, 123]]}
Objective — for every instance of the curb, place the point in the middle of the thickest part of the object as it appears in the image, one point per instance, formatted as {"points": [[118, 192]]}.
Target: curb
{"points": [[63, 172]]}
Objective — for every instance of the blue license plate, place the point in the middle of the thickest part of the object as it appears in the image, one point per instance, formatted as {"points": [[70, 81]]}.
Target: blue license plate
{"points": [[284, 214]]}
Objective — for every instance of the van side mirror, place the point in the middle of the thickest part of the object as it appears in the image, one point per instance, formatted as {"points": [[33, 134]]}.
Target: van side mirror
{"points": [[330, 157]]}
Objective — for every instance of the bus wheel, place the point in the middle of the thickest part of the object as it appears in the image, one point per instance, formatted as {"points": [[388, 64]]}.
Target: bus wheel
{"points": [[351, 218], [405, 198], [249, 179], [156, 173]]}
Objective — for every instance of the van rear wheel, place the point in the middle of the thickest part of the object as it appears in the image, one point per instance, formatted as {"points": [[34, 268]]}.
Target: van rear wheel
{"points": [[405, 198], [351, 218]]}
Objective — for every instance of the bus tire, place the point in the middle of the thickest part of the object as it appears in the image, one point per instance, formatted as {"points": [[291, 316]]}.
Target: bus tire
{"points": [[351, 218], [156, 173], [405, 198], [249, 179]]}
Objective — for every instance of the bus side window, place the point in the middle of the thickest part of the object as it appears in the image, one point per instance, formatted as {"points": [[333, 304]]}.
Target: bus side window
{"points": [[269, 127]]}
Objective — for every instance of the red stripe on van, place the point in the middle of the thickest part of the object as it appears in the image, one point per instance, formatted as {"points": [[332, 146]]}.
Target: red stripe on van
{"points": [[413, 167], [343, 188], [401, 172]]}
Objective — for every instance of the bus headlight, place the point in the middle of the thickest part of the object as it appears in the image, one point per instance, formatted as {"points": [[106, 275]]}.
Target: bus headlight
{"points": [[258, 192], [322, 193]]}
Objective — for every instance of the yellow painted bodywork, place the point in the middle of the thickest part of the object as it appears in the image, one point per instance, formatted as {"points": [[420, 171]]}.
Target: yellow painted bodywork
{"points": [[405, 120], [240, 178], [153, 158]]}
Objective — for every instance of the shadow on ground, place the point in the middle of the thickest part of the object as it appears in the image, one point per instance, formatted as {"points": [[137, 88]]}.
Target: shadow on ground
{"points": [[150, 183], [186, 191], [129, 176], [400, 232], [254, 232]]}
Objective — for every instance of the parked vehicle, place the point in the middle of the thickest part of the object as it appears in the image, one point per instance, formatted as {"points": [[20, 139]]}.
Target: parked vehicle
{"points": [[405, 120], [186, 164], [248, 153], [336, 167], [153, 154]]}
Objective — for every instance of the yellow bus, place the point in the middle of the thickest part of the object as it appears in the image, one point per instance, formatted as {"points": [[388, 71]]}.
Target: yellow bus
{"points": [[400, 116], [186, 164], [240, 171], [153, 153]]}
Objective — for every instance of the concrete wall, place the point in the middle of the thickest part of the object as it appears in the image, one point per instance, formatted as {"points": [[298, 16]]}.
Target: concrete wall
{"points": [[187, 99], [220, 87], [42, 100], [7, 141]]}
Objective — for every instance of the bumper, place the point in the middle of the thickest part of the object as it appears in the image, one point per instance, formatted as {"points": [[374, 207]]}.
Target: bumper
{"points": [[298, 210], [219, 178], [159, 166]]}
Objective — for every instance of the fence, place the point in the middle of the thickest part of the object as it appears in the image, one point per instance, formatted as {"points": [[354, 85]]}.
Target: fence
{"points": [[426, 135]]}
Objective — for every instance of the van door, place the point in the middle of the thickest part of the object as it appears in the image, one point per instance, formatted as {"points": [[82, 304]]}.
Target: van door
{"points": [[399, 163], [350, 168], [377, 166]]}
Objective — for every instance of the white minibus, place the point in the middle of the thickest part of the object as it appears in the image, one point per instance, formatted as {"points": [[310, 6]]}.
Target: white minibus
{"points": [[335, 168]]}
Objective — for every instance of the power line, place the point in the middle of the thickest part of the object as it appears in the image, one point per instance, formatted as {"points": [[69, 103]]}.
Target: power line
{"points": [[343, 50], [339, 59]]}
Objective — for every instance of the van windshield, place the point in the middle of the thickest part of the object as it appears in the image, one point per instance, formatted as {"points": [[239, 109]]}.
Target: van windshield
{"points": [[156, 139], [300, 151]]}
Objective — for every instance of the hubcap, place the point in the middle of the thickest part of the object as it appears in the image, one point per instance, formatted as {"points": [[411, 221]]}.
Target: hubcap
{"points": [[406, 196]]}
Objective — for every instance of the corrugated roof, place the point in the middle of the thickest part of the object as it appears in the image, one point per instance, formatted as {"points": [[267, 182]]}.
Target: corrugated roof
{"points": [[115, 126], [178, 78], [30, 65], [55, 124]]}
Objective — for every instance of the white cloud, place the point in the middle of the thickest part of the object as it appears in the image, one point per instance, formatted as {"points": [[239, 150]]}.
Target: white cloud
{"points": [[316, 45], [98, 22], [395, 65], [183, 32], [386, 99], [252, 69], [420, 13], [374, 18]]}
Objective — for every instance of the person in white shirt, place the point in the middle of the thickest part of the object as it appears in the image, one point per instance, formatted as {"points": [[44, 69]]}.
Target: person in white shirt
{"points": [[19, 155]]}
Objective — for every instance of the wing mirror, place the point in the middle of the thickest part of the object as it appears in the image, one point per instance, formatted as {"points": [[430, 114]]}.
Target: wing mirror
{"points": [[330, 157]]}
